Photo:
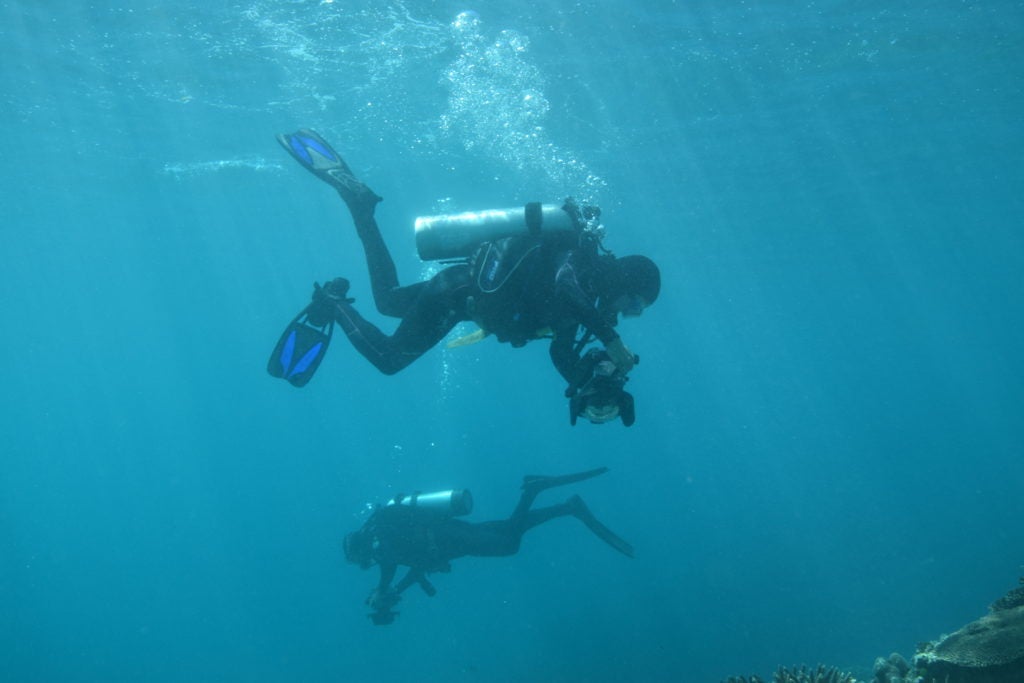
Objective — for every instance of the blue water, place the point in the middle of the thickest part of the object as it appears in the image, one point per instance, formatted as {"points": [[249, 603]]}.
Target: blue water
{"points": [[827, 460]]}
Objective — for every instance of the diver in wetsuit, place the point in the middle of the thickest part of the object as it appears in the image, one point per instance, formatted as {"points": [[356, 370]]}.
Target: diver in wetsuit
{"points": [[518, 288], [407, 534]]}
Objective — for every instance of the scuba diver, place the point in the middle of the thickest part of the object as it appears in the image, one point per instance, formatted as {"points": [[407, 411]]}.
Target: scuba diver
{"points": [[420, 532], [536, 272]]}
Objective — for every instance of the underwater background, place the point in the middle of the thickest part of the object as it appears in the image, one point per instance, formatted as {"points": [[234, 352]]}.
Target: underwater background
{"points": [[827, 461]]}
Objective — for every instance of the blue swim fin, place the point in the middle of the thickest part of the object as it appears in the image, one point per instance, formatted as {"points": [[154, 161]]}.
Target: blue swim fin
{"points": [[301, 348], [319, 158]]}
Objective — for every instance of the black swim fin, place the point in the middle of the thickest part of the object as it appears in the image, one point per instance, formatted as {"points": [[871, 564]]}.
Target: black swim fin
{"points": [[583, 513], [320, 159], [301, 348], [537, 483]]}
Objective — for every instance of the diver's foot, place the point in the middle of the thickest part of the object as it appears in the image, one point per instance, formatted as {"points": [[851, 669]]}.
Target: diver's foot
{"points": [[327, 298], [581, 512], [319, 158], [336, 289]]}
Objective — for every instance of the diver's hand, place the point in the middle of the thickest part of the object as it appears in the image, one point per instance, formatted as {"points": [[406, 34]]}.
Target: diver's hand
{"points": [[382, 618], [620, 355], [383, 599], [604, 368]]}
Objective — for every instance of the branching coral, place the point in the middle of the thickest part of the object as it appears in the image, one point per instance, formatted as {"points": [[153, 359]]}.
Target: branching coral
{"points": [[821, 674], [1015, 598]]}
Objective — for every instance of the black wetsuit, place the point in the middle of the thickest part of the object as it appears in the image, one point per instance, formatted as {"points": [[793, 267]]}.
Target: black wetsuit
{"points": [[553, 291], [409, 537]]}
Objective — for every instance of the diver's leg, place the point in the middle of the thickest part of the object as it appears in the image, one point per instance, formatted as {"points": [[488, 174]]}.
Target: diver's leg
{"points": [[317, 156], [533, 484], [381, 350], [541, 515], [523, 518], [440, 305], [526, 499], [500, 538], [575, 507], [391, 298], [503, 537]]}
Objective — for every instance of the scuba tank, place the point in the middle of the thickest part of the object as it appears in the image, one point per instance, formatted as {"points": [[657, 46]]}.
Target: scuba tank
{"points": [[457, 235], [452, 503]]}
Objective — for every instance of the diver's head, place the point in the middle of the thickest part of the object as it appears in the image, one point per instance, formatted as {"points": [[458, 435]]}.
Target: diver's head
{"points": [[358, 547], [631, 284]]}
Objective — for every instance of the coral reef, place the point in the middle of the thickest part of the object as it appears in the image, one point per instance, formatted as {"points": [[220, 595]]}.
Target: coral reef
{"points": [[891, 669], [1015, 598], [988, 650], [821, 674]]}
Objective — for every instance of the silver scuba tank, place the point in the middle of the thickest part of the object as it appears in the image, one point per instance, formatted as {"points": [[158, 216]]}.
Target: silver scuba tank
{"points": [[452, 503], [456, 235]]}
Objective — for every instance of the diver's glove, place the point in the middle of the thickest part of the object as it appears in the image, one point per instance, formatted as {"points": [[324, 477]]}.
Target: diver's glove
{"points": [[382, 600], [382, 618], [621, 356]]}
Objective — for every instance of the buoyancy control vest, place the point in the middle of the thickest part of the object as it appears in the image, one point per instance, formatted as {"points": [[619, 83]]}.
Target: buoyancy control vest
{"points": [[511, 254]]}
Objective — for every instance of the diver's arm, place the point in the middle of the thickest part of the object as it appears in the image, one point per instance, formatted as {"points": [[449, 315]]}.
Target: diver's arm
{"points": [[387, 575], [416, 575], [575, 368], [382, 598], [578, 305], [580, 308], [619, 353], [411, 577], [563, 353], [621, 356]]}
